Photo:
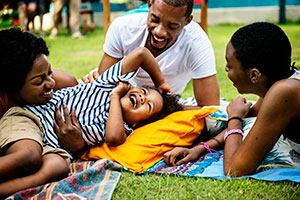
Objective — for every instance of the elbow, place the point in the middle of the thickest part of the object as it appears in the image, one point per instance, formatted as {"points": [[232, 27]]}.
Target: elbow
{"points": [[114, 141], [237, 170], [63, 80]]}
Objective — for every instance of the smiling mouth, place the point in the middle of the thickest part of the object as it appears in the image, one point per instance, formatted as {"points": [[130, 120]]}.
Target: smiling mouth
{"points": [[47, 93], [158, 39], [158, 44], [133, 100]]}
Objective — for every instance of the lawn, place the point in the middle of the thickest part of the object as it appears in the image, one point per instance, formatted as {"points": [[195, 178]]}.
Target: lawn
{"points": [[79, 56]]}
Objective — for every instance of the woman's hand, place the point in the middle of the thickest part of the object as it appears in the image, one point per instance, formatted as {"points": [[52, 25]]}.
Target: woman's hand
{"points": [[68, 131], [238, 107], [182, 155]]}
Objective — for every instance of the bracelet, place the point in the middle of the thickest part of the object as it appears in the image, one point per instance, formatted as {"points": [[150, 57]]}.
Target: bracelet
{"points": [[212, 151], [231, 118], [233, 131], [218, 141]]}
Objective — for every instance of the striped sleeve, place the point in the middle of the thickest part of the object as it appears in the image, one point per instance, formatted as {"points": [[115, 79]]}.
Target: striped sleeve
{"points": [[113, 75]]}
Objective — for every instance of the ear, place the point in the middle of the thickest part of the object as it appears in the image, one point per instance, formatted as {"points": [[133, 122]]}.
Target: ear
{"points": [[254, 75], [188, 20], [149, 2]]}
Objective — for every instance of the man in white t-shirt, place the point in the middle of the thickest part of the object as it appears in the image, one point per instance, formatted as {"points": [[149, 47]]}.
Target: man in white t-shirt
{"points": [[181, 47]]}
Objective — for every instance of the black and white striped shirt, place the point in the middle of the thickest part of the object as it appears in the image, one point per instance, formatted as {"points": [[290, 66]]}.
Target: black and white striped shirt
{"points": [[91, 102]]}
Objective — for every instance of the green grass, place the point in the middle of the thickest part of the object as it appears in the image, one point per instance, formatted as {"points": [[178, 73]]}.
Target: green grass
{"points": [[79, 56]]}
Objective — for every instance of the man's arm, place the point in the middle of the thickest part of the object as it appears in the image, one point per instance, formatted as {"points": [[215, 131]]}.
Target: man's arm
{"points": [[207, 91], [106, 62], [63, 79]]}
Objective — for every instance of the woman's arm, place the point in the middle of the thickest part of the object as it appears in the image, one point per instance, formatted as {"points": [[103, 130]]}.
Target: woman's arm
{"points": [[279, 108]]}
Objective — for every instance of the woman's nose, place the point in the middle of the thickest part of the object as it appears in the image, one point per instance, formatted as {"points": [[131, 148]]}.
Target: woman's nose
{"points": [[50, 82]]}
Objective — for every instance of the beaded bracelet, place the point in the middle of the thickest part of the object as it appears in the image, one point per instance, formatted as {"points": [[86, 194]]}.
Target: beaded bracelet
{"points": [[231, 118], [233, 131]]}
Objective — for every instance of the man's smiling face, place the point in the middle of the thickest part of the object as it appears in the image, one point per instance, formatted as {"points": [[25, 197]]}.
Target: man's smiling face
{"points": [[165, 22]]}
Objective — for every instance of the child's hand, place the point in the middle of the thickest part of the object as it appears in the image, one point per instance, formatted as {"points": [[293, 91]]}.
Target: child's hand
{"points": [[121, 89], [181, 155], [164, 87]]}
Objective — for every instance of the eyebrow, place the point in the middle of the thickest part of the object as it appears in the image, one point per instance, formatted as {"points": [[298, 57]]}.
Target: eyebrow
{"points": [[40, 75], [171, 23]]}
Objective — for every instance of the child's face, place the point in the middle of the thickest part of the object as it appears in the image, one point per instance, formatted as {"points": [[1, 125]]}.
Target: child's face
{"points": [[140, 104], [39, 84]]}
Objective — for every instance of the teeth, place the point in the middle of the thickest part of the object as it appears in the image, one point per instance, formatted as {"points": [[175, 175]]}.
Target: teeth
{"points": [[158, 39], [47, 93], [133, 100]]}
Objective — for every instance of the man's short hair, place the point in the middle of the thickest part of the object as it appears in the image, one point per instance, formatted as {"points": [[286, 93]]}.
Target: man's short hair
{"points": [[178, 3]]}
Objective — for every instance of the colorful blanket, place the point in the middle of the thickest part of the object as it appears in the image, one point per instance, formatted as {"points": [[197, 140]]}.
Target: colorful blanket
{"points": [[281, 163], [87, 180], [211, 165]]}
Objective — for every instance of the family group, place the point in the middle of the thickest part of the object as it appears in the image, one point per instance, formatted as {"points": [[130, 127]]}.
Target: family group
{"points": [[48, 119]]}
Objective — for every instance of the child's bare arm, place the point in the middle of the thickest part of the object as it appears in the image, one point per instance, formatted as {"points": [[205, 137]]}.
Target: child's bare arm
{"points": [[115, 130], [142, 57]]}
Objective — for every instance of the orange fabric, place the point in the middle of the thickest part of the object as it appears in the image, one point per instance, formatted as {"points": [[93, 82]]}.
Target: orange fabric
{"points": [[147, 144]]}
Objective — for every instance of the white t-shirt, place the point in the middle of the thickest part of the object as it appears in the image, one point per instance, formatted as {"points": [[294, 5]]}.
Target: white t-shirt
{"points": [[190, 57]]}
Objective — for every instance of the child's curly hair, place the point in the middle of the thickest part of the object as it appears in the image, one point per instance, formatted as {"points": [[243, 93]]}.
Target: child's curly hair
{"points": [[171, 104]]}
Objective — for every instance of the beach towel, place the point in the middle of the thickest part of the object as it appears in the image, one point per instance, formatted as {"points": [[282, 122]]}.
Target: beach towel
{"points": [[87, 180]]}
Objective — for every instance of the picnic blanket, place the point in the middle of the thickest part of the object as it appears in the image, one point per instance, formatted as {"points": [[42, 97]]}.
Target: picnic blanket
{"points": [[211, 166], [87, 180], [281, 163]]}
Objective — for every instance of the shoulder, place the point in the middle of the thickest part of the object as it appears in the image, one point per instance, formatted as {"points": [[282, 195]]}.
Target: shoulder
{"points": [[132, 20], [284, 94], [285, 87], [195, 39], [194, 32]]}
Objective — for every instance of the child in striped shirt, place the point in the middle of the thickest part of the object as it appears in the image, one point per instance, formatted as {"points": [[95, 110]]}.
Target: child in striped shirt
{"points": [[108, 108]]}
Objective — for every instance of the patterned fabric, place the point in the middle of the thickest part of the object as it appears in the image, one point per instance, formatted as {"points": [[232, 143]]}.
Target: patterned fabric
{"points": [[88, 180], [282, 162], [91, 103], [211, 166]]}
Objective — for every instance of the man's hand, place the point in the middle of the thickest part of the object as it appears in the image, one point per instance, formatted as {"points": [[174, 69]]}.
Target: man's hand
{"points": [[90, 77], [68, 131]]}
